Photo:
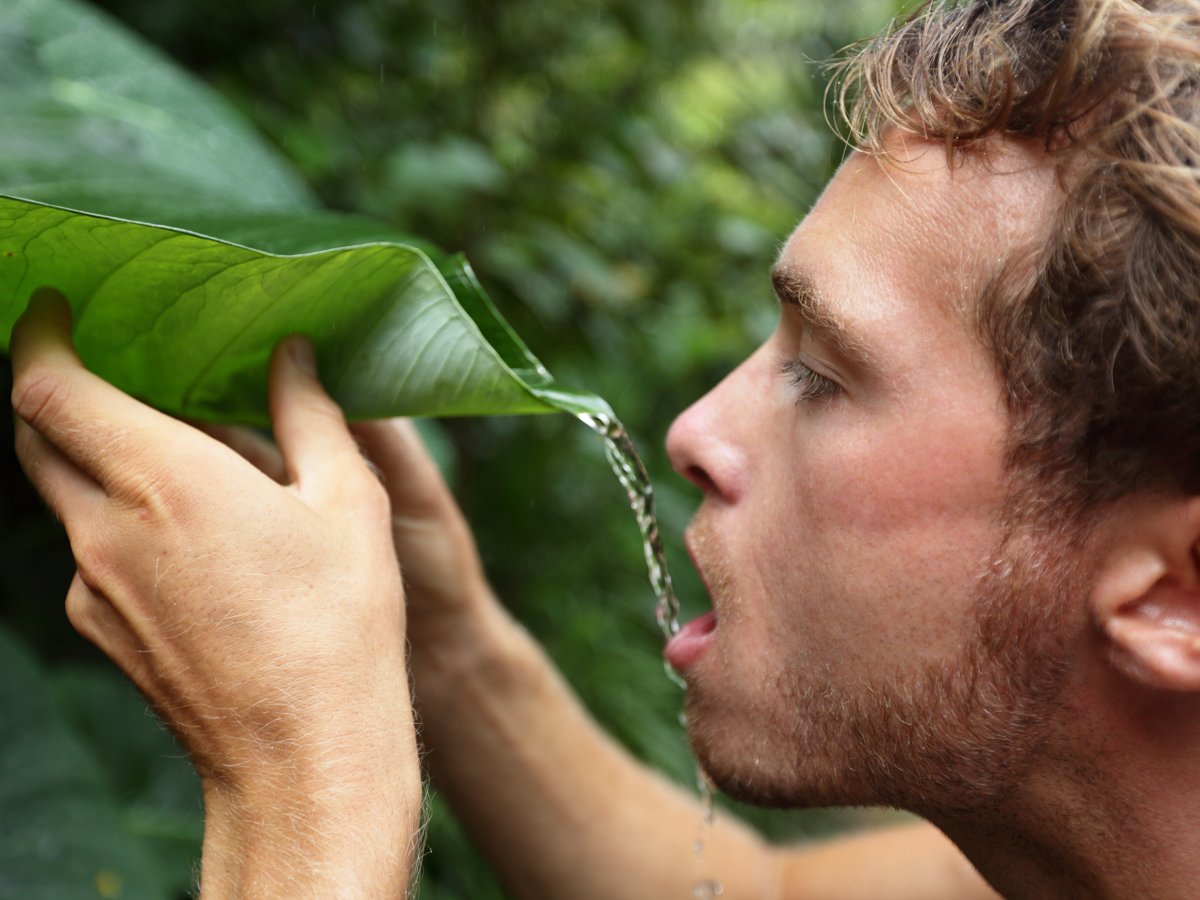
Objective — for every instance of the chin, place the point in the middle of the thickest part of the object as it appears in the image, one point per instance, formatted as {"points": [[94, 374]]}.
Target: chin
{"points": [[745, 750], [757, 764]]}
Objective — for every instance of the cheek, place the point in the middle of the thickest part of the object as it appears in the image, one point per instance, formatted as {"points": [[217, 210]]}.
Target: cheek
{"points": [[880, 534], [889, 480]]}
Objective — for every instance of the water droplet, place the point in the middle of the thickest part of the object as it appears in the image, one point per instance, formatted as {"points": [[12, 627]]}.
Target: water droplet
{"points": [[707, 889], [706, 788], [676, 679]]}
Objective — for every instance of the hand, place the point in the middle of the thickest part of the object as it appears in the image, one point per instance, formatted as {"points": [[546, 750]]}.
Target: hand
{"points": [[445, 585], [443, 575], [459, 635], [264, 621]]}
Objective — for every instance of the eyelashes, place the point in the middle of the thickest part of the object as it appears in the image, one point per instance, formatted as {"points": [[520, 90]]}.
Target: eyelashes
{"points": [[809, 385]]}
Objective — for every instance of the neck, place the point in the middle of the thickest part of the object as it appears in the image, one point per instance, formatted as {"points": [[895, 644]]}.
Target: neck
{"points": [[1109, 812]]}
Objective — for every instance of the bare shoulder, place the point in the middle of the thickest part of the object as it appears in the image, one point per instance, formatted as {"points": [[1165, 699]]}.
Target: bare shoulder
{"points": [[904, 862]]}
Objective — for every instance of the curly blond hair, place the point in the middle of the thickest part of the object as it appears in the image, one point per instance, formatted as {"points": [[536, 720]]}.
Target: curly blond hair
{"points": [[1098, 349]]}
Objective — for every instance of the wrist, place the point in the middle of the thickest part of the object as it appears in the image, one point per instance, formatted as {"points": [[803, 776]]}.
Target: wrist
{"points": [[341, 823], [480, 642], [470, 686]]}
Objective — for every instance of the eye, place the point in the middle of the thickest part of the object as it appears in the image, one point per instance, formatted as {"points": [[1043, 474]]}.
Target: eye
{"points": [[809, 385]]}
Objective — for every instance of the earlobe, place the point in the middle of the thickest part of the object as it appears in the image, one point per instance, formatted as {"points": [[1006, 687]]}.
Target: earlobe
{"points": [[1156, 651], [1146, 599]]}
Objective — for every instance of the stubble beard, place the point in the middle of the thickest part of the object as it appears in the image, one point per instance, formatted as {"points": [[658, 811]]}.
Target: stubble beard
{"points": [[944, 740]]}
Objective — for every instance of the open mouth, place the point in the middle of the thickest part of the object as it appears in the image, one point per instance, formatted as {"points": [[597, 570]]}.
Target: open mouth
{"points": [[690, 642]]}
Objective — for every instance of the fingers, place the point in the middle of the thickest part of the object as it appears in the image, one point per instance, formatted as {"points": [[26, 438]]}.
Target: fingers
{"points": [[79, 413], [98, 621], [434, 544], [104, 432], [413, 481], [71, 495], [251, 446], [316, 447]]}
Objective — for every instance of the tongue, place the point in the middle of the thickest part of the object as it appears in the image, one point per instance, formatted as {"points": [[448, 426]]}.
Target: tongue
{"points": [[687, 645]]}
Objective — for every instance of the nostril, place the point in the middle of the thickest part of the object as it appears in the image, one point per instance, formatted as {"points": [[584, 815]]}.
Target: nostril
{"points": [[697, 476]]}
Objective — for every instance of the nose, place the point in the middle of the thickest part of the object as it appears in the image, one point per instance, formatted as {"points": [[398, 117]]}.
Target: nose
{"points": [[684, 445], [703, 442]]}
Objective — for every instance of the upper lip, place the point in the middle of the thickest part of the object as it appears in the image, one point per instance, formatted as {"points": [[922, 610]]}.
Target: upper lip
{"points": [[688, 541]]}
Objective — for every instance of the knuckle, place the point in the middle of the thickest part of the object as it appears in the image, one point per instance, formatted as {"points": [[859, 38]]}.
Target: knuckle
{"points": [[155, 497], [150, 484], [78, 613], [376, 500], [367, 494], [26, 445], [39, 395], [82, 613], [93, 559]]}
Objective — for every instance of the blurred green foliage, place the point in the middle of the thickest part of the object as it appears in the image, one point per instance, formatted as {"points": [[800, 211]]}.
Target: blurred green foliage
{"points": [[620, 174]]}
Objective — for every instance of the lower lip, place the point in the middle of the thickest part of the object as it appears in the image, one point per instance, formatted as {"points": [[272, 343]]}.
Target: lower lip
{"points": [[691, 641]]}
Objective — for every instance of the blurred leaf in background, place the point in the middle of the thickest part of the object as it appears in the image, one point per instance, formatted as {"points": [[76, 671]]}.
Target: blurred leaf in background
{"points": [[620, 175], [111, 817]]}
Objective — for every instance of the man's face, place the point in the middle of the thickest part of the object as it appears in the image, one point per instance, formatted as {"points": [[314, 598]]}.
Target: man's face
{"points": [[875, 631]]}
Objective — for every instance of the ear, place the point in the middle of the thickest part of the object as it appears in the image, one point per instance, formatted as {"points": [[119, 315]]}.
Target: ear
{"points": [[1146, 599]]}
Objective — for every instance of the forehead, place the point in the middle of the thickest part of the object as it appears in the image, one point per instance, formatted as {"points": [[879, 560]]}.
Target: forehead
{"points": [[913, 229]]}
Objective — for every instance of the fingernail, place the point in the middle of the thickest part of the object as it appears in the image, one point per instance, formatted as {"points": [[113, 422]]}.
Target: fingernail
{"points": [[303, 354]]}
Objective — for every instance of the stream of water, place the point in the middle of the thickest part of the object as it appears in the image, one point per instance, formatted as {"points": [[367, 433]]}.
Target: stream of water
{"points": [[705, 888], [623, 459], [631, 472]]}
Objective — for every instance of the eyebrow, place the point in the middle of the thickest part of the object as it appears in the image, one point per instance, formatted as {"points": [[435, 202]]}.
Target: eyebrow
{"points": [[797, 289]]}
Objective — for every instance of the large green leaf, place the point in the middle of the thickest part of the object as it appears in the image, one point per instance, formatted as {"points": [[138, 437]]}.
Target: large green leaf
{"points": [[187, 322], [96, 120]]}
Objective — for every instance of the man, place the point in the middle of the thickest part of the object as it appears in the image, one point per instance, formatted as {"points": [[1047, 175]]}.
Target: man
{"points": [[950, 530]]}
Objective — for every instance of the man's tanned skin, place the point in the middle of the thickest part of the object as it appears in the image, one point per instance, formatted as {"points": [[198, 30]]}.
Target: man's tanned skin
{"points": [[950, 527]]}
